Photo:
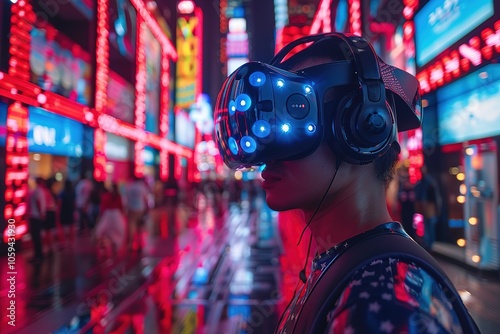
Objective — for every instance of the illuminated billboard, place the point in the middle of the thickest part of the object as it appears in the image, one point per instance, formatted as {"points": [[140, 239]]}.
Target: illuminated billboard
{"points": [[468, 108], [152, 51], [120, 102], [440, 24], [59, 65], [3, 121], [54, 134], [188, 48], [185, 129]]}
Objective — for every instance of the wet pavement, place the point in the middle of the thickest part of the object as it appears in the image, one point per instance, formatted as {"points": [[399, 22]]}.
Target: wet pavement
{"points": [[198, 272]]}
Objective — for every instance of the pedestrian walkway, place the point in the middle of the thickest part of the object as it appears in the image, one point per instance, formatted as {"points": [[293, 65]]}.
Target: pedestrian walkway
{"points": [[75, 280]]}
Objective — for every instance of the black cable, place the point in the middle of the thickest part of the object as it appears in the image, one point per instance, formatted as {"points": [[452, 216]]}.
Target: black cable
{"points": [[321, 201], [302, 273]]}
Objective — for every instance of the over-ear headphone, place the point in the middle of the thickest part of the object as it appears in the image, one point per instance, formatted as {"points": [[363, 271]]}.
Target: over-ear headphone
{"points": [[269, 112], [363, 125]]}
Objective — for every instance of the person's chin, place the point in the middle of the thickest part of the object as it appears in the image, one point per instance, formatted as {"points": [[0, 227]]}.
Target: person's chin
{"points": [[276, 202]]}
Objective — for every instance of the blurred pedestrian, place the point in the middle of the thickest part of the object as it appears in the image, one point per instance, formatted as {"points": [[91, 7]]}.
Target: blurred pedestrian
{"points": [[94, 203], [49, 224], [67, 207], [82, 193], [428, 203], [36, 217], [110, 231], [137, 205]]}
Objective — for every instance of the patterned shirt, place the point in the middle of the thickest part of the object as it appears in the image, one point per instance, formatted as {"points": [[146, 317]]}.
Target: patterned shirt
{"points": [[388, 295]]}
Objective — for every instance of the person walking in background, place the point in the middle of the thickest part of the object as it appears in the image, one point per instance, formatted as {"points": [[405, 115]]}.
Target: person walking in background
{"points": [[36, 216], [137, 204], [94, 203], [49, 225], [428, 203], [67, 207], [82, 193], [110, 231]]}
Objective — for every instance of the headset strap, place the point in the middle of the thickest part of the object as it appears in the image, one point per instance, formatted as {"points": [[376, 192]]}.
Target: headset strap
{"points": [[377, 246]]}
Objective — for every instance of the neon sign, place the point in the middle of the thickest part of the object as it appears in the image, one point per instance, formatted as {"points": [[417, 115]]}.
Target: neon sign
{"points": [[461, 60], [140, 93], [99, 155], [355, 17], [442, 23], [16, 86], [187, 67], [322, 18], [415, 155], [16, 143], [17, 160], [165, 106]]}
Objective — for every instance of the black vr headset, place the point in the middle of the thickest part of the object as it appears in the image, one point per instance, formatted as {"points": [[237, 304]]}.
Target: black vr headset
{"points": [[265, 113]]}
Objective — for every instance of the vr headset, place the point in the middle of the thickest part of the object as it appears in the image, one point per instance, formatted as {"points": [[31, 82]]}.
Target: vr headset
{"points": [[265, 113]]}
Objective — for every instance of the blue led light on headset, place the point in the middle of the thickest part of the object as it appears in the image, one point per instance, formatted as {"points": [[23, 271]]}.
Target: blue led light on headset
{"points": [[265, 113]]}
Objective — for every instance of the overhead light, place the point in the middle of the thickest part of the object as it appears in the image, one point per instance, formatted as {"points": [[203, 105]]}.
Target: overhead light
{"points": [[185, 7]]}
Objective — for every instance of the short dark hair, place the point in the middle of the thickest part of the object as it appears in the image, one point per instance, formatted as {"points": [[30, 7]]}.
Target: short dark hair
{"points": [[385, 166]]}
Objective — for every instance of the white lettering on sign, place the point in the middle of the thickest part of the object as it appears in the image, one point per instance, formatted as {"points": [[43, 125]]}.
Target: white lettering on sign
{"points": [[43, 135], [444, 12], [470, 53]]}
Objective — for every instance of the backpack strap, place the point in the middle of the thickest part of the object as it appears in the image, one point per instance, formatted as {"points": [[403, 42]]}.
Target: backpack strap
{"points": [[333, 280]]}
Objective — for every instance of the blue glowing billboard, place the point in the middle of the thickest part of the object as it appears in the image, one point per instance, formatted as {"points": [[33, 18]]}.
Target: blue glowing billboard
{"points": [[468, 108], [54, 134], [439, 24], [3, 121]]}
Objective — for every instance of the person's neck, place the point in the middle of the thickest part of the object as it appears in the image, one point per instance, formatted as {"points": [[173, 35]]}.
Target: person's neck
{"points": [[354, 213]]}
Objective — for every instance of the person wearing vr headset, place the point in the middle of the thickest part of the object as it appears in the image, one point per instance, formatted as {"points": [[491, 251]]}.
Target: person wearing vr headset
{"points": [[324, 123]]}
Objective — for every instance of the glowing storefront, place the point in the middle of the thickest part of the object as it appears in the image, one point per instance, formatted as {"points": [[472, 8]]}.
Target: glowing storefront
{"points": [[59, 85]]}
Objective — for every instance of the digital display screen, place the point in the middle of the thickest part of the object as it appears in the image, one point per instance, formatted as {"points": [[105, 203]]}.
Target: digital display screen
{"points": [[468, 108], [59, 65], [118, 148], [122, 34], [121, 101], [184, 129], [440, 23], [150, 156], [54, 134], [3, 121], [152, 49]]}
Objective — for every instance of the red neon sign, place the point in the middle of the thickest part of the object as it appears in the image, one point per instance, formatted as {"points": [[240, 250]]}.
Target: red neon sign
{"points": [[461, 60], [99, 155], [146, 16], [16, 148], [140, 95], [355, 17], [322, 21], [17, 160], [164, 110]]}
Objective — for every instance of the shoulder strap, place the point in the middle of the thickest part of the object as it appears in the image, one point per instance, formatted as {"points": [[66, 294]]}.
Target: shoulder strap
{"points": [[381, 245]]}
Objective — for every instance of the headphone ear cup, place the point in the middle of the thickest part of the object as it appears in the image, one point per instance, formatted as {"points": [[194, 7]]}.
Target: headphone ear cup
{"points": [[361, 134]]}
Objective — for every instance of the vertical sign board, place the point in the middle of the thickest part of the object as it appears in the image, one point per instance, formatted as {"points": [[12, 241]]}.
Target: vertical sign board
{"points": [[187, 66]]}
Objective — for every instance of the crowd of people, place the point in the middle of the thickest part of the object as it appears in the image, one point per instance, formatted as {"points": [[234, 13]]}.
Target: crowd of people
{"points": [[112, 214]]}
